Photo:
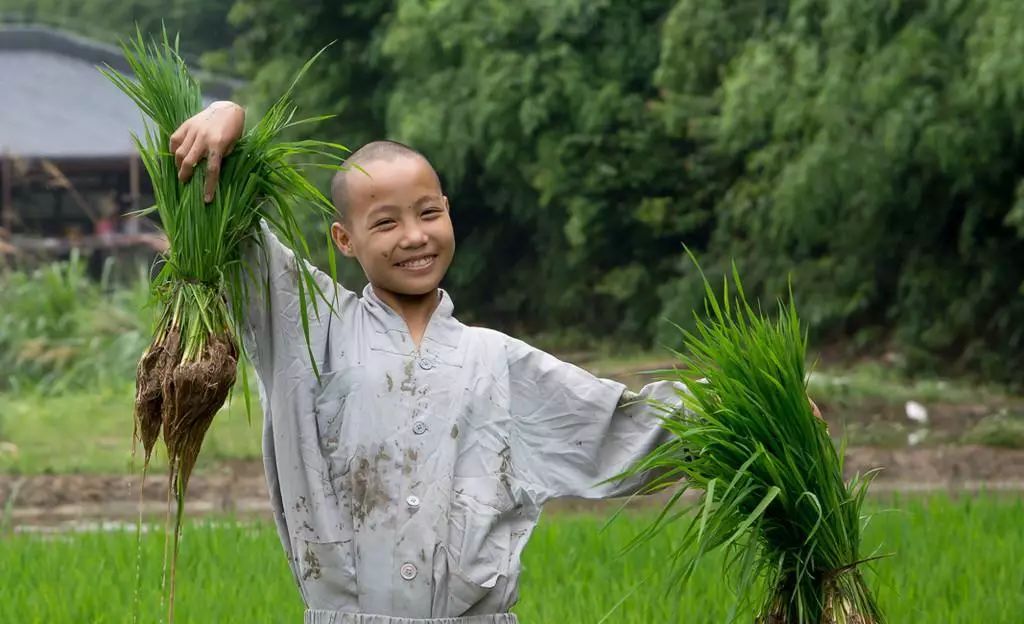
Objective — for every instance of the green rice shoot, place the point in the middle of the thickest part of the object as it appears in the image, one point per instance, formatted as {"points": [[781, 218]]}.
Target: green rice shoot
{"points": [[771, 492], [186, 374]]}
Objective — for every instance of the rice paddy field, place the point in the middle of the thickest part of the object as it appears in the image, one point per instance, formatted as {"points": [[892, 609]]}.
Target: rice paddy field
{"points": [[954, 560]]}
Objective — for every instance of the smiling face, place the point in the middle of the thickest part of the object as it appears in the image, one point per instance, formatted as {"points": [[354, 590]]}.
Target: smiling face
{"points": [[396, 224]]}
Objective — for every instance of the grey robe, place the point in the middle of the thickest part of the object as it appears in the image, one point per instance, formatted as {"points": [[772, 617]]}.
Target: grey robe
{"points": [[406, 482]]}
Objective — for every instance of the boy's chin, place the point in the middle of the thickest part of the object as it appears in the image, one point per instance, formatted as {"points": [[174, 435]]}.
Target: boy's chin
{"points": [[416, 289]]}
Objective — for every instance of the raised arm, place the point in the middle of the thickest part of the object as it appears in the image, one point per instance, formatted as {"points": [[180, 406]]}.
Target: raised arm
{"points": [[573, 430], [273, 333]]}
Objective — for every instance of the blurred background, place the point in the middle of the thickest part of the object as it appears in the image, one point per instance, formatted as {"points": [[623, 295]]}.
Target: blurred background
{"points": [[865, 155]]}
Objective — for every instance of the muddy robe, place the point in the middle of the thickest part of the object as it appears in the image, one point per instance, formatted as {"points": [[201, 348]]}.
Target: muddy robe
{"points": [[406, 482]]}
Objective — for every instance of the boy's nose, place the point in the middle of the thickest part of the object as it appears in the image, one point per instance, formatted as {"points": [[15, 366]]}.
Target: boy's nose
{"points": [[414, 237]]}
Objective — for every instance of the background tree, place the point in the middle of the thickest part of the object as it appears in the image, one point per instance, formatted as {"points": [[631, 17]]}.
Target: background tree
{"points": [[569, 198], [869, 150]]}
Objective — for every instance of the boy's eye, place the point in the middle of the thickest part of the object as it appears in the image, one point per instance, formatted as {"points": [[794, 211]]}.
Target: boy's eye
{"points": [[431, 212], [383, 223]]}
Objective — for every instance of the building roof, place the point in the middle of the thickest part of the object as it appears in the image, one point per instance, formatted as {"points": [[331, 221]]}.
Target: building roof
{"points": [[56, 103]]}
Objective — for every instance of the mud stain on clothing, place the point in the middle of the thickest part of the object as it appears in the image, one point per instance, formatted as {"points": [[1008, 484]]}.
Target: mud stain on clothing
{"points": [[312, 565], [409, 384], [409, 463], [369, 489]]}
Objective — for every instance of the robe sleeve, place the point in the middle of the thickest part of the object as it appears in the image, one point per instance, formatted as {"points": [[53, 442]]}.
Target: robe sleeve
{"points": [[572, 430], [273, 333], [274, 341]]}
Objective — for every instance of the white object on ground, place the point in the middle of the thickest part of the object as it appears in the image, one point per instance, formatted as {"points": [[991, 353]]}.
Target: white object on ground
{"points": [[916, 412], [915, 437]]}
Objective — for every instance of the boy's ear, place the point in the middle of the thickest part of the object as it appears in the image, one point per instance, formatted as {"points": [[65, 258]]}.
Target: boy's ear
{"points": [[342, 239]]}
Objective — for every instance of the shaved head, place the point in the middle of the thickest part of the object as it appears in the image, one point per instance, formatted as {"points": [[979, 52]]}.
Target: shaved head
{"points": [[371, 152], [393, 218]]}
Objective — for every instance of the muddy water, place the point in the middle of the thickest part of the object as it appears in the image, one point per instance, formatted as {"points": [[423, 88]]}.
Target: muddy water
{"points": [[238, 489]]}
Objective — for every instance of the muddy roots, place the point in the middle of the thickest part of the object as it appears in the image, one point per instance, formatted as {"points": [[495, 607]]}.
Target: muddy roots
{"points": [[180, 398], [155, 365], [192, 394]]}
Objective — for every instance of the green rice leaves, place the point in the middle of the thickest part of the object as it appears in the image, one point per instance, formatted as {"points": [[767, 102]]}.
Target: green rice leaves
{"points": [[202, 271], [187, 373], [769, 478]]}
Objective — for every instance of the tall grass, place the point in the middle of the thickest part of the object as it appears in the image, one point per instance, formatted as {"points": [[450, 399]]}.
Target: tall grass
{"points": [[60, 330]]}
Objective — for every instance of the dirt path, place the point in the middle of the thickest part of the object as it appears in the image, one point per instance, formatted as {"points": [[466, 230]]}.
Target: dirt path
{"points": [[238, 488]]}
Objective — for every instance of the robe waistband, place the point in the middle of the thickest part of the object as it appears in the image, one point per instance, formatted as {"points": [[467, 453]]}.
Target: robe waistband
{"points": [[319, 616]]}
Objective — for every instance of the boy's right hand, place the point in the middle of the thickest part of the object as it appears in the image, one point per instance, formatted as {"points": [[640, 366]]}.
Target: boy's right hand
{"points": [[212, 135]]}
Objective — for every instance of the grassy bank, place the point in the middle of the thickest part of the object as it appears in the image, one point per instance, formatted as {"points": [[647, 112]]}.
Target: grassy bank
{"points": [[91, 432]]}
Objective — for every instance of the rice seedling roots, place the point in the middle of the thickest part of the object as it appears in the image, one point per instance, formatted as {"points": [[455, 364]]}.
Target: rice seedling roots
{"points": [[854, 618], [193, 391], [154, 366], [839, 605], [180, 397], [850, 619]]}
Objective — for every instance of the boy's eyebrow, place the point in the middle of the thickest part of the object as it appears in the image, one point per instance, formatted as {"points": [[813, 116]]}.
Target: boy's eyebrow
{"points": [[379, 209], [426, 198]]}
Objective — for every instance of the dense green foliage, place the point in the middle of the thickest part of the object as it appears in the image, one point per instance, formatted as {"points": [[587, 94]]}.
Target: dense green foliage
{"points": [[870, 148], [562, 181], [956, 562]]}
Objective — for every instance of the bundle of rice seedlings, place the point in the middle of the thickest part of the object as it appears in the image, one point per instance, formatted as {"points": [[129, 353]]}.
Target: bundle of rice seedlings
{"points": [[186, 374], [769, 477]]}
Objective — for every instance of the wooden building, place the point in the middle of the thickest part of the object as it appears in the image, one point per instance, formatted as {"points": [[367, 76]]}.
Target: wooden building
{"points": [[69, 172]]}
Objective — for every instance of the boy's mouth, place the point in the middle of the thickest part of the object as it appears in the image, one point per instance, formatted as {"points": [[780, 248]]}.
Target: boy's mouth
{"points": [[417, 263]]}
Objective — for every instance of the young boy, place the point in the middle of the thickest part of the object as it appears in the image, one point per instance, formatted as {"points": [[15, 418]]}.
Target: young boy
{"points": [[406, 482]]}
